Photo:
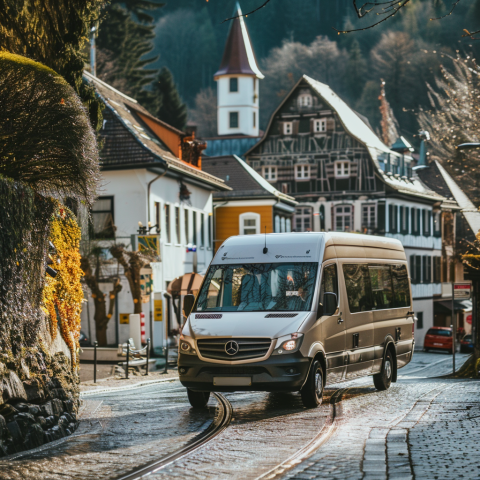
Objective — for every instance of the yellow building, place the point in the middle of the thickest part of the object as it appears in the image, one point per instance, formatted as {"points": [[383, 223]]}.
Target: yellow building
{"points": [[252, 206]]}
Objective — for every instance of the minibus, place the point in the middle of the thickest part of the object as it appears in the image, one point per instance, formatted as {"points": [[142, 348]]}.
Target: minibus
{"points": [[293, 312]]}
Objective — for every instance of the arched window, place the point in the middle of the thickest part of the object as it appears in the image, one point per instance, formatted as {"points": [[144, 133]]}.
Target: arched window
{"points": [[277, 224], [249, 223]]}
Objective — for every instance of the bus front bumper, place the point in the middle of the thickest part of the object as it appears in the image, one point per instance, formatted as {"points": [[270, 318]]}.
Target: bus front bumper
{"points": [[277, 373]]}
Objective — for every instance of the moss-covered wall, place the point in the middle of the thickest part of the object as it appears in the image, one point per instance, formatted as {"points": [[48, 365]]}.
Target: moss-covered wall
{"points": [[39, 318]]}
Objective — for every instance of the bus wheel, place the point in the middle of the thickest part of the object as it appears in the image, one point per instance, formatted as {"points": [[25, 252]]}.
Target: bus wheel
{"points": [[312, 391], [198, 399], [383, 379]]}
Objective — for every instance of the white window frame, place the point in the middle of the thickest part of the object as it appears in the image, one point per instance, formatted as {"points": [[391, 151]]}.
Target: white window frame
{"points": [[345, 167], [249, 216], [269, 172], [320, 125], [305, 100], [370, 207], [302, 171], [343, 215], [288, 128], [301, 216]]}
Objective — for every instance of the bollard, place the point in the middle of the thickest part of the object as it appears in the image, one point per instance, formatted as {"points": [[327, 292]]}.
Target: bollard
{"points": [[95, 345], [148, 355], [128, 354]]}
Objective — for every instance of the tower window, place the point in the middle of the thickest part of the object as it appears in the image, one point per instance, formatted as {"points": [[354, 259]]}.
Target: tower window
{"points": [[233, 84], [342, 169], [233, 119]]}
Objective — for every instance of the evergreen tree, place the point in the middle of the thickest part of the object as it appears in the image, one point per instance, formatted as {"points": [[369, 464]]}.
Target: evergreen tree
{"points": [[172, 110], [357, 69], [124, 39]]}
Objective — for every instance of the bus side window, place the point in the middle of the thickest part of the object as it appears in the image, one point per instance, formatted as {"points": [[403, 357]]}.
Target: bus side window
{"points": [[329, 281]]}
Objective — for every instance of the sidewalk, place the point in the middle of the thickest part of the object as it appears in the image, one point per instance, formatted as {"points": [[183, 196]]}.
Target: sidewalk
{"points": [[118, 382]]}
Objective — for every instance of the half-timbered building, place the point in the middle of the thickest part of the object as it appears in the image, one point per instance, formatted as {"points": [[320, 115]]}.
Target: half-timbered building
{"points": [[325, 155]]}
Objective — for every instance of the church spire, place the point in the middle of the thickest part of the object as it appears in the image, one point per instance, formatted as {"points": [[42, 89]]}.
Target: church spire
{"points": [[238, 56]]}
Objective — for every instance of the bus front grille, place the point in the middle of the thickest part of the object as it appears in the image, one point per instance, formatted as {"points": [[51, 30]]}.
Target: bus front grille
{"points": [[233, 348]]}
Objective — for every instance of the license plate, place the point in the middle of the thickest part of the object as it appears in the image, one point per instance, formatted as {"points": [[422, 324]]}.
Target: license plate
{"points": [[232, 381], [439, 344]]}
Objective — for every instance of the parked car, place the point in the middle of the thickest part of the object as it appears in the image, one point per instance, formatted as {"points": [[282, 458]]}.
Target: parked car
{"points": [[296, 311], [438, 338], [466, 344], [84, 341]]}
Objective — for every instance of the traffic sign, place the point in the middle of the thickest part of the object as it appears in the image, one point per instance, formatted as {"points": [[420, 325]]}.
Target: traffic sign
{"points": [[469, 319], [462, 290]]}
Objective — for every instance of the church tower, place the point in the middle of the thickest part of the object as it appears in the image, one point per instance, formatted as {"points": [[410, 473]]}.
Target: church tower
{"points": [[237, 83]]}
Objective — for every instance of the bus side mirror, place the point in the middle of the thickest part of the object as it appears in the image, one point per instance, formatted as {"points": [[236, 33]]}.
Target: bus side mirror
{"points": [[188, 301], [330, 303]]}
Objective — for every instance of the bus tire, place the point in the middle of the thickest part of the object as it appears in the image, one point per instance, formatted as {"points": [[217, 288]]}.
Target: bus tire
{"points": [[198, 399], [312, 391], [383, 379]]}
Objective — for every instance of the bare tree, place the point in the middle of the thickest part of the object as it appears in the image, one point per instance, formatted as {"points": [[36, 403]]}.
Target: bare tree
{"points": [[93, 277], [454, 119], [205, 113]]}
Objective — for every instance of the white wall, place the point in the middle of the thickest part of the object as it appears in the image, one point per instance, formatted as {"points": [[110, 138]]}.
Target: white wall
{"points": [[425, 306], [129, 189], [245, 101]]}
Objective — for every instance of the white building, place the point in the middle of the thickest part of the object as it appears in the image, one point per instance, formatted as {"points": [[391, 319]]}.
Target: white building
{"points": [[148, 175]]}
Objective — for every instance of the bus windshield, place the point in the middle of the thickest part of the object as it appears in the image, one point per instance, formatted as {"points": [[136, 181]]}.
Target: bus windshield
{"points": [[258, 287]]}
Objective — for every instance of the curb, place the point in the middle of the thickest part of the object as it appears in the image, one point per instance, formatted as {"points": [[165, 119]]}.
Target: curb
{"points": [[127, 387]]}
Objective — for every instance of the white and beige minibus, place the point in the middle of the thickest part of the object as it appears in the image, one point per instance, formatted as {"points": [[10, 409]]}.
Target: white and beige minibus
{"points": [[296, 311]]}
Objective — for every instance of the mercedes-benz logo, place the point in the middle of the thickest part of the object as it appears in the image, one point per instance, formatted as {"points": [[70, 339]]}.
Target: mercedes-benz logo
{"points": [[231, 347]]}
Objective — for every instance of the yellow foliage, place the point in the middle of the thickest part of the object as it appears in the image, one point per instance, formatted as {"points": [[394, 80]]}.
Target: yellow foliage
{"points": [[63, 295]]}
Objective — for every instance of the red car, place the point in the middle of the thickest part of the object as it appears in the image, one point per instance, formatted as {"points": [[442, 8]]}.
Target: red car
{"points": [[438, 338]]}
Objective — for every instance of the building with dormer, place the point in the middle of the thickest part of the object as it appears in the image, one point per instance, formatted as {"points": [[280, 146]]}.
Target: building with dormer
{"points": [[344, 178]]}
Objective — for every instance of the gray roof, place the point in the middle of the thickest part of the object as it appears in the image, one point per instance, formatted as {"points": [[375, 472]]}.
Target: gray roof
{"points": [[244, 181]]}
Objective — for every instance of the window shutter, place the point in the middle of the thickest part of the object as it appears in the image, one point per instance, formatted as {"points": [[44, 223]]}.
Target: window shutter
{"points": [[295, 125], [390, 218], [407, 219], [424, 269], [412, 269], [429, 219], [395, 217], [381, 217], [330, 125], [332, 213], [312, 124], [417, 228], [402, 213], [280, 128], [412, 218], [429, 268]]}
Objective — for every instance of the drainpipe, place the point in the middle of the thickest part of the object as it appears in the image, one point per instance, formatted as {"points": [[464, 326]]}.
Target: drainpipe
{"points": [[148, 191]]}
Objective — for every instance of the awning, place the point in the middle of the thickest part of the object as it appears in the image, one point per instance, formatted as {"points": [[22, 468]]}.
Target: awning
{"points": [[445, 306], [186, 284]]}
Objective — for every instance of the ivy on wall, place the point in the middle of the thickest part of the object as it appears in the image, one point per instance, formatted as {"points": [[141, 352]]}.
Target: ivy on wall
{"points": [[63, 295]]}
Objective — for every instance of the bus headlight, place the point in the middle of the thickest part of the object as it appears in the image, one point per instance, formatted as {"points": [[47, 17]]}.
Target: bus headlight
{"points": [[186, 348], [288, 344]]}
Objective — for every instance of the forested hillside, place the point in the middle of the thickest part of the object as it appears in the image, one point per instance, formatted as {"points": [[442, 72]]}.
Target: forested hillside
{"points": [[295, 37]]}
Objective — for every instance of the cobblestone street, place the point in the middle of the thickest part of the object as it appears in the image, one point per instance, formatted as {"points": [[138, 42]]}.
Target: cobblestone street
{"points": [[422, 427]]}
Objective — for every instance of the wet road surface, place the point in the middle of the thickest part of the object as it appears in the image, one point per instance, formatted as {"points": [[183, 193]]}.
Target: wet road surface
{"points": [[124, 430]]}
